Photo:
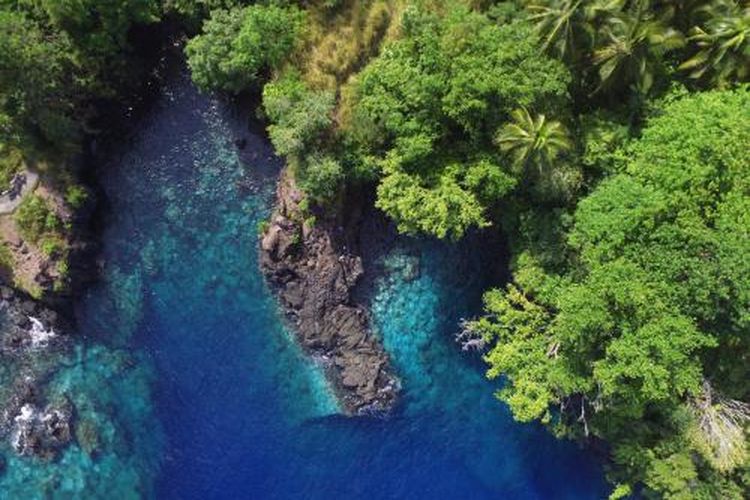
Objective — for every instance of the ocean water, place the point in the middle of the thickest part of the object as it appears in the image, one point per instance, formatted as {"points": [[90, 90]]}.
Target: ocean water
{"points": [[195, 389]]}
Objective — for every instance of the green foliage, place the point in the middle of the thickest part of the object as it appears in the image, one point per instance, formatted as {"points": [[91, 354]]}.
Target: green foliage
{"points": [[631, 46], [604, 136], [533, 141], [534, 146], [427, 108], [36, 219], [445, 209], [99, 29], [299, 115], [621, 491], [56, 57], [237, 45], [300, 118], [6, 261], [321, 177], [51, 246], [192, 12], [35, 95], [11, 162], [76, 196], [722, 40], [688, 168], [634, 45], [672, 476], [652, 296], [520, 328]]}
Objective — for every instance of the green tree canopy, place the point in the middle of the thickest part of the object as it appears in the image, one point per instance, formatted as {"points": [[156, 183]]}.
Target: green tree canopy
{"points": [[426, 111], [237, 45], [36, 83], [651, 301]]}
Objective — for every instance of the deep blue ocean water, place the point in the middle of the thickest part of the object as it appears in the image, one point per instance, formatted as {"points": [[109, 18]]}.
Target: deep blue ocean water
{"points": [[210, 397]]}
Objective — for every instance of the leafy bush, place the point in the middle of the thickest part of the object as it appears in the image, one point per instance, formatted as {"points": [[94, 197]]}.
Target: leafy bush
{"points": [[35, 218], [298, 115], [35, 96], [427, 108], [76, 196], [649, 309], [11, 162], [6, 259], [238, 44], [51, 245], [321, 177]]}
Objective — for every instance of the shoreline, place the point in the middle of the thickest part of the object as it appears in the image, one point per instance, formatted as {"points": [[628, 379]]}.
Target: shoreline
{"points": [[313, 274]]}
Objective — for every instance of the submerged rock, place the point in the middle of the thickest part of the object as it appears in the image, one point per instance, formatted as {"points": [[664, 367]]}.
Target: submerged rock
{"points": [[314, 275]]}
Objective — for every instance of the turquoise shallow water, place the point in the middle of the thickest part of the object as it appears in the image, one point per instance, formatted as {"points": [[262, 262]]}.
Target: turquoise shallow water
{"points": [[195, 389]]}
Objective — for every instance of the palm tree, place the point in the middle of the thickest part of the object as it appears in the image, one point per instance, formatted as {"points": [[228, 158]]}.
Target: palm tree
{"points": [[723, 43], [568, 27], [632, 47], [557, 22], [533, 140]]}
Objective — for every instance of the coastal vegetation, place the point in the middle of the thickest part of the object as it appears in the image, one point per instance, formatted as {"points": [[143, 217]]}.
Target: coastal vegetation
{"points": [[606, 140], [57, 60]]}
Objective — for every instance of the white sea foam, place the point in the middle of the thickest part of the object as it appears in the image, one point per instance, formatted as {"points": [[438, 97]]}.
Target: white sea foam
{"points": [[23, 421], [26, 414], [39, 336]]}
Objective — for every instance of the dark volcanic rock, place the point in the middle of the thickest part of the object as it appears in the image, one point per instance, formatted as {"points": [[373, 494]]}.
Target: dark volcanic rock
{"points": [[314, 277], [42, 432], [30, 349]]}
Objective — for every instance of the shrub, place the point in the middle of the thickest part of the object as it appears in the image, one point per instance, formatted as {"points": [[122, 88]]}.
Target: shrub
{"points": [[237, 45], [320, 178], [11, 162], [299, 115], [35, 218], [76, 196]]}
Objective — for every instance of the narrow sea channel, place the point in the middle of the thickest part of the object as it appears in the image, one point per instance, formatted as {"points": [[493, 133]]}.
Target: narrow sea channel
{"points": [[216, 401]]}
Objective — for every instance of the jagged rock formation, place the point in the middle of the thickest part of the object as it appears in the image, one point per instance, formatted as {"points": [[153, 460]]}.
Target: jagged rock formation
{"points": [[30, 349], [41, 432], [314, 274]]}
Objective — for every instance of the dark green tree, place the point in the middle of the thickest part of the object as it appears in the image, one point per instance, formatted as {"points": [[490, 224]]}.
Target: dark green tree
{"points": [[37, 100], [238, 45], [722, 40]]}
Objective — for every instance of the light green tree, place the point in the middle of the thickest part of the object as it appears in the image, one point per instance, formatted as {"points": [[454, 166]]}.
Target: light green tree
{"points": [[533, 141]]}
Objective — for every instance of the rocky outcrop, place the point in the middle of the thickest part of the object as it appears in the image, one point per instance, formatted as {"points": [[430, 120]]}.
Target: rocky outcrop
{"points": [[26, 326], [31, 348], [42, 432], [314, 274]]}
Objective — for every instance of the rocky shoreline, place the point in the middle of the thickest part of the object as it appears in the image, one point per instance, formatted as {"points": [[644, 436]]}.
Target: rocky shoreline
{"points": [[313, 268], [31, 347]]}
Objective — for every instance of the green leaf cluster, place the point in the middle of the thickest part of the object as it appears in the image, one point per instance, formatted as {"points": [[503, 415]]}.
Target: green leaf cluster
{"points": [[426, 112], [56, 57], [619, 45], [36, 219], [633, 309], [236, 46]]}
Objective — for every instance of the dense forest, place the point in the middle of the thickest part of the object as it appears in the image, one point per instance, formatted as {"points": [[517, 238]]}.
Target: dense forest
{"points": [[607, 140]]}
